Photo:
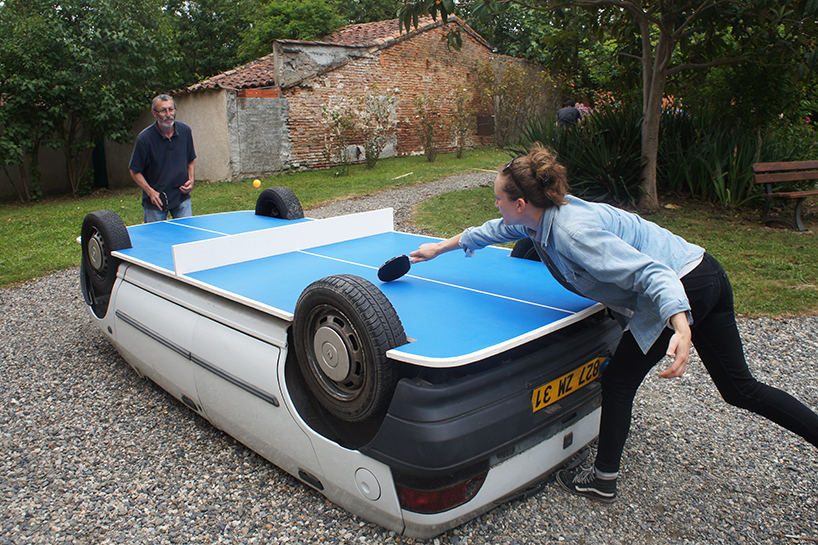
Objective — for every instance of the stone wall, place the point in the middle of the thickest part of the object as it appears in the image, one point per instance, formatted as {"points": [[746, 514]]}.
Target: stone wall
{"points": [[259, 144]]}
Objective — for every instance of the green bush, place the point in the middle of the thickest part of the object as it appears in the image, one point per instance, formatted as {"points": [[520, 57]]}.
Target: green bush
{"points": [[788, 142], [702, 153], [707, 159], [710, 157], [602, 154], [429, 124]]}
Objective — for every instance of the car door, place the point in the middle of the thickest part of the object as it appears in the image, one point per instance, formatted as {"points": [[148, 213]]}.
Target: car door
{"points": [[237, 382]]}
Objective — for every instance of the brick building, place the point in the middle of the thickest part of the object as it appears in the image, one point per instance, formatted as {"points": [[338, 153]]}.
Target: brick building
{"points": [[266, 116]]}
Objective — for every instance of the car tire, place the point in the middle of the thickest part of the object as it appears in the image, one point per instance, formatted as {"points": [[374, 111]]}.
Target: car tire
{"points": [[343, 326], [102, 232], [279, 202], [524, 249]]}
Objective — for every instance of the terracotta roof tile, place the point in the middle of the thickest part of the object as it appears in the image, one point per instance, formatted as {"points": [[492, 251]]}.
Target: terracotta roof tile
{"points": [[370, 34], [261, 72], [258, 73]]}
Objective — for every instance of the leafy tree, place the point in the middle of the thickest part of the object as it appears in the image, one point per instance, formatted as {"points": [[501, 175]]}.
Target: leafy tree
{"points": [[207, 34], [752, 94], [26, 128], [563, 41], [670, 37], [117, 52], [514, 93], [29, 54], [287, 20], [367, 11], [74, 72], [11, 154], [213, 36]]}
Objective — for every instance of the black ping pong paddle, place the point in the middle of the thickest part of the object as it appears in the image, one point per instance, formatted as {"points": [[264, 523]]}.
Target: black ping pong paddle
{"points": [[394, 268]]}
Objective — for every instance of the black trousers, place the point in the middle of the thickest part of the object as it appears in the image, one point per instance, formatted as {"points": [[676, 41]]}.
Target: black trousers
{"points": [[717, 342]]}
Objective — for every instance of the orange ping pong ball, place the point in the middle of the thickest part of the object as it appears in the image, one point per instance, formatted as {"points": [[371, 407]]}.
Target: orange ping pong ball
{"points": [[256, 183]]}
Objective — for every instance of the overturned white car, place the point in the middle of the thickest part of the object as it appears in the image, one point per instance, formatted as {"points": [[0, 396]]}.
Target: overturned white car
{"points": [[416, 404]]}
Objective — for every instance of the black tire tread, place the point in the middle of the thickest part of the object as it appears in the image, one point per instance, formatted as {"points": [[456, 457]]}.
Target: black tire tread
{"points": [[379, 322], [114, 229], [281, 200], [115, 237], [97, 287]]}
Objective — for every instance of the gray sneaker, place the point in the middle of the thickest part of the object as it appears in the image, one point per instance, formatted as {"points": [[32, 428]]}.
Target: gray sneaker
{"points": [[586, 483]]}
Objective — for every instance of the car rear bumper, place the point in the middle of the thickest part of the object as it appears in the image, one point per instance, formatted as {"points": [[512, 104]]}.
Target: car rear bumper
{"points": [[433, 430], [509, 479]]}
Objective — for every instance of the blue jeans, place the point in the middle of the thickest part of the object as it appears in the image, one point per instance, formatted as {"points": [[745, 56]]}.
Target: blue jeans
{"points": [[184, 210], [717, 342]]}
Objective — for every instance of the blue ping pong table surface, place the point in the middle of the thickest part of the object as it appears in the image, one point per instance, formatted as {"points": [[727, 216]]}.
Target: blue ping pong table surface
{"points": [[455, 310]]}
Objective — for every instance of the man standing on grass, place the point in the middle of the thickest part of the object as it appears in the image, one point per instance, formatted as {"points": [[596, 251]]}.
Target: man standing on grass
{"points": [[163, 162]]}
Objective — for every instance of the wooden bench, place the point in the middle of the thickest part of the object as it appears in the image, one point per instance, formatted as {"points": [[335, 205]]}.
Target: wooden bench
{"points": [[796, 171]]}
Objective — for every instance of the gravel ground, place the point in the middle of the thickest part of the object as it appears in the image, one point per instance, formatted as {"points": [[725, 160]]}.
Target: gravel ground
{"points": [[93, 454]]}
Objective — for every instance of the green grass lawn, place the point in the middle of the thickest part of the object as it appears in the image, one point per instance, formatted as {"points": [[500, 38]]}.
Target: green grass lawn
{"points": [[774, 271]]}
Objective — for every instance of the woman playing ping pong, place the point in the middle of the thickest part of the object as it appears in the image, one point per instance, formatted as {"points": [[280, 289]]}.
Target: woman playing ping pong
{"points": [[667, 291]]}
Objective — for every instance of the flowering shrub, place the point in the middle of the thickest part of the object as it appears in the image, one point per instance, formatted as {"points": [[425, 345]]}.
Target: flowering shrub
{"points": [[462, 120], [340, 127], [584, 110], [370, 120], [428, 125]]}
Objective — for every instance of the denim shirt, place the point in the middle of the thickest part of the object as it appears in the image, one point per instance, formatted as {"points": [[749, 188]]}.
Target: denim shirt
{"points": [[609, 255]]}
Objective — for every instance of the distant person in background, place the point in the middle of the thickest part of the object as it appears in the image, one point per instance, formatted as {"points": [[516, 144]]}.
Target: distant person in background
{"points": [[569, 115], [163, 163]]}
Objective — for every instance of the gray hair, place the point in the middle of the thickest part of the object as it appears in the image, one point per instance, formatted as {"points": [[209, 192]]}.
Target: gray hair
{"points": [[162, 98]]}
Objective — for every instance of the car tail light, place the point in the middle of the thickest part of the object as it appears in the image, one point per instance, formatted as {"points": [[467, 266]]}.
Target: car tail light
{"points": [[442, 499]]}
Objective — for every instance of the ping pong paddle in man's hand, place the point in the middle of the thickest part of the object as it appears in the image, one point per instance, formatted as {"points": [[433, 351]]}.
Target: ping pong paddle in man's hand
{"points": [[394, 268]]}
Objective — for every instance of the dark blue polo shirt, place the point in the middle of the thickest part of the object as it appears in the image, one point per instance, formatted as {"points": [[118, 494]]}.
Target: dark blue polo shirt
{"points": [[163, 161]]}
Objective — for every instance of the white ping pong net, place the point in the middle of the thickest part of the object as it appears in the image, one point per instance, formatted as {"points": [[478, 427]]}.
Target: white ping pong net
{"points": [[227, 250]]}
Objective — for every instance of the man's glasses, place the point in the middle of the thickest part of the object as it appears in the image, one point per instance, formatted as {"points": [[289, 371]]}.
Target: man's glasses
{"points": [[165, 111]]}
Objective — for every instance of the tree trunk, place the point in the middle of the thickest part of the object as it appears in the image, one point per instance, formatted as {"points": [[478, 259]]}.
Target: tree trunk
{"points": [[68, 149], [22, 192], [654, 65], [652, 116], [77, 153]]}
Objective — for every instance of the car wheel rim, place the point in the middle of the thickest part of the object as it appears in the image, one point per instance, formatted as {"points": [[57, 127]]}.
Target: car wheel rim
{"points": [[337, 358], [331, 354], [96, 251]]}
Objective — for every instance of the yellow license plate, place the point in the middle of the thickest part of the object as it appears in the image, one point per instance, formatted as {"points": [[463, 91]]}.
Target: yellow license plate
{"points": [[568, 383]]}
